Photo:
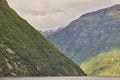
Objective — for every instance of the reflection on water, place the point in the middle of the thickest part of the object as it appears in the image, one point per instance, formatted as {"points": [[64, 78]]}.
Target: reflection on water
{"points": [[60, 78]]}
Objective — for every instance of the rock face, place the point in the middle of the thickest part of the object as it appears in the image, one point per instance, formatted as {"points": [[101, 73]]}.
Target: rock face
{"points": [[89, 35], [4, 1], [25, 52]]}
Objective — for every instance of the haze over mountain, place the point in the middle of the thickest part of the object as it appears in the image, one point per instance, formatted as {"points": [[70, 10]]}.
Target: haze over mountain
{"points": [[89, 35], [25, 52]]}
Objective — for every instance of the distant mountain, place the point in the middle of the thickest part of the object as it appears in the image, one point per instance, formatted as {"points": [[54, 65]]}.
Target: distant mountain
{"points": [[25, 52], [50, 32], [47, 33], [107, 63], [89, 35]]}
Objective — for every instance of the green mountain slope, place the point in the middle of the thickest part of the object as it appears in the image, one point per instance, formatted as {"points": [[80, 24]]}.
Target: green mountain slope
{"points": [[107, 63], [25, 52], [90, 34]]}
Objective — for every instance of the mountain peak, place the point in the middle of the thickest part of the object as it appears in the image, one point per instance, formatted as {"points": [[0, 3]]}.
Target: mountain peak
{"points": [[117, 5], [103, 11]]}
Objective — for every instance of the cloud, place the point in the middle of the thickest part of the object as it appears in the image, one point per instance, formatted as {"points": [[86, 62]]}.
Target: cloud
{"points": [[51, 14]]}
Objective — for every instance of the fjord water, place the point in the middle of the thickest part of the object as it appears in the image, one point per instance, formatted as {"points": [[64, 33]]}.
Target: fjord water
{"points": [[61, 78]]}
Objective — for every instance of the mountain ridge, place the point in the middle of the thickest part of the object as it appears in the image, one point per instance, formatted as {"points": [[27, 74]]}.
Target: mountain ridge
{"points": [[90, 34]]}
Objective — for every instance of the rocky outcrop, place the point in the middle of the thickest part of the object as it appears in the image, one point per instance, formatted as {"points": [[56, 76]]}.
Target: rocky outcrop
{"points": [[4, 1]]}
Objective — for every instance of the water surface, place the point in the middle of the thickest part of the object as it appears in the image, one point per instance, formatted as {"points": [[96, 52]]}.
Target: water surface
{"points": [[60, 78]]}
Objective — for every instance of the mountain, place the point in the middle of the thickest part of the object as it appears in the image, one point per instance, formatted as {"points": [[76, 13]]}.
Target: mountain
{"points": [[50, 32], [90, 34], [47, 33], [26, 52], [107, 63]]}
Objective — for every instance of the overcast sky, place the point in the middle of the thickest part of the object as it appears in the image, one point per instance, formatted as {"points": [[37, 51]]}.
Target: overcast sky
{"points": [[51, 14]]}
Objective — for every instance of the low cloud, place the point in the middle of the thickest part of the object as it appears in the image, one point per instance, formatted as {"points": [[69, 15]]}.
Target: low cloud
{"points": [[51, 14]]}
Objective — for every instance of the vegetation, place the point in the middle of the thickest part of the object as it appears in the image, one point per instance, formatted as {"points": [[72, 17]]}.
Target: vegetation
{"points": [[107, 63], [25, 52]]}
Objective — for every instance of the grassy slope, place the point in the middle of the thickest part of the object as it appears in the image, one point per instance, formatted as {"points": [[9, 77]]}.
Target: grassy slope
{"points": [[25, 52], [107, 63]]}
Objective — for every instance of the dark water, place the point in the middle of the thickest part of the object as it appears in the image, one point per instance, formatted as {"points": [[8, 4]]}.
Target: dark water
{"points": [[60, 78]]}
